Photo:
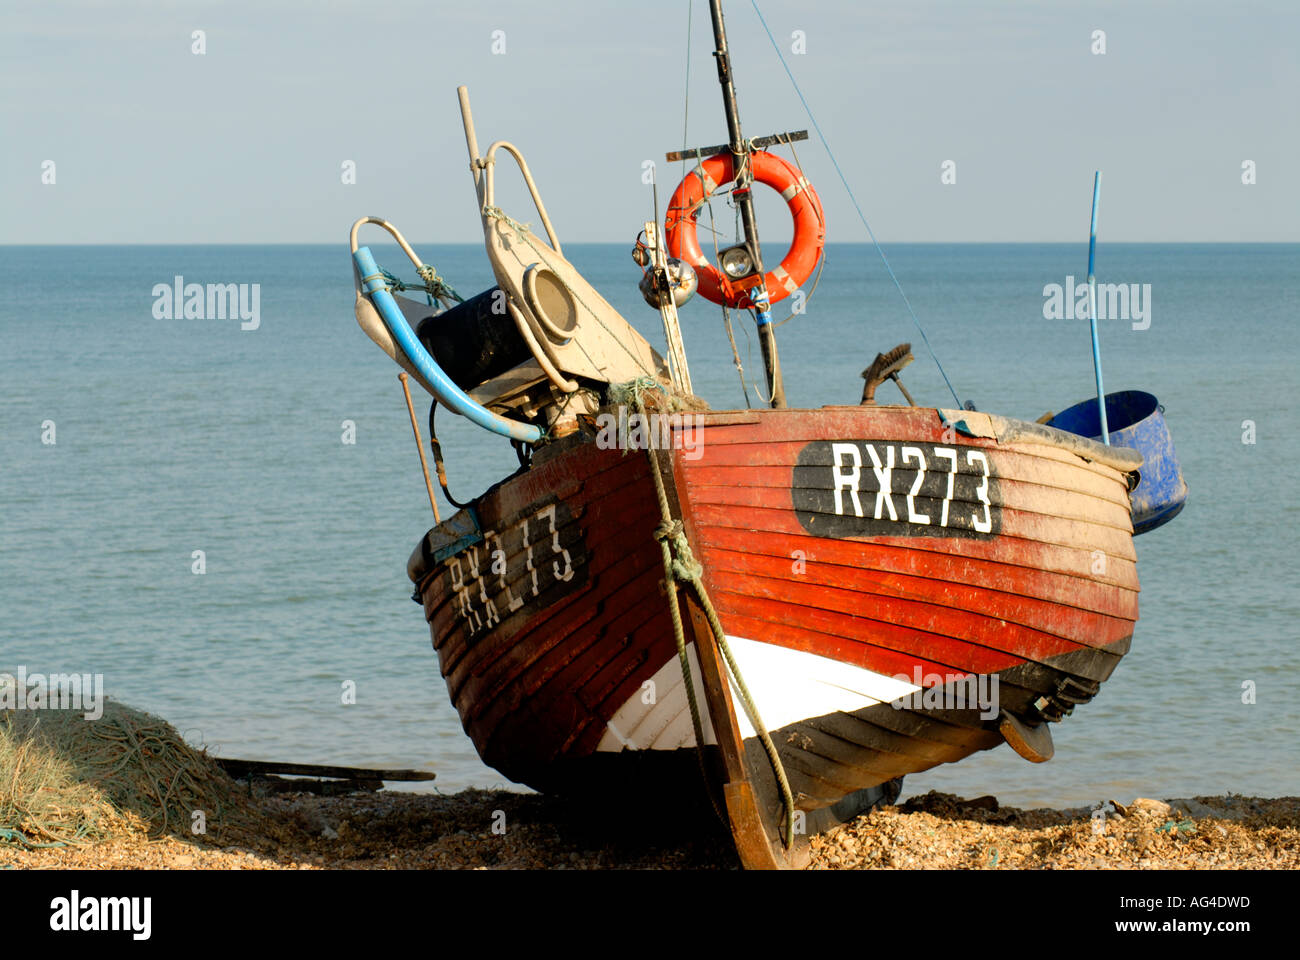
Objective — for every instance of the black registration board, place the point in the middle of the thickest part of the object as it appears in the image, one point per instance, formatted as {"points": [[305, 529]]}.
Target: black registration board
{"points": [[856, 488], [519, 570]]}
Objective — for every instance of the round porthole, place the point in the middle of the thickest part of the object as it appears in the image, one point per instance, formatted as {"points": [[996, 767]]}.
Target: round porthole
{"points": [[551, 302]]}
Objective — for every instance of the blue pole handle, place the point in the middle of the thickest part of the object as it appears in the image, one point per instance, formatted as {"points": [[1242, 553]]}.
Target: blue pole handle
{"points": [[759, 302], [448, 394], [1092, 308], [1092, 232]]}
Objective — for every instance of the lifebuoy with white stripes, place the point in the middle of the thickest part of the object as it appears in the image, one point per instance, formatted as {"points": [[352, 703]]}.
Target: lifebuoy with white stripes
{"points": [[805, 209]]}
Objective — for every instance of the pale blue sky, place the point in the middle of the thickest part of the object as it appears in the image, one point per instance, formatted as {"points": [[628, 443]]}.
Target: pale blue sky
{"points": [[153, 144]]}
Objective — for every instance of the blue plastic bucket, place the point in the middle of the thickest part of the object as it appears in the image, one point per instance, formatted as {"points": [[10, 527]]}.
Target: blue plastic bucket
{"points": [[1136, 420]]}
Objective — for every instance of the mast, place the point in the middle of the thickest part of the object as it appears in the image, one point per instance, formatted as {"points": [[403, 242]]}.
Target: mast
{"points": [[745, 200]]}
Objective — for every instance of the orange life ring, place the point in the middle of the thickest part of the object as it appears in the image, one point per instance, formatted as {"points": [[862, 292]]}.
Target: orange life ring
{"points": [[800, 197]]}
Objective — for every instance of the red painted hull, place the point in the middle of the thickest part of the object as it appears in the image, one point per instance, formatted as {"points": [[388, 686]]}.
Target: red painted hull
{"points": [[1002, 555]]}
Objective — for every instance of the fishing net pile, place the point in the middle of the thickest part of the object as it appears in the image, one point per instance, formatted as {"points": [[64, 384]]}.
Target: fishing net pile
{"points": [[650, 393], [68, 780]]}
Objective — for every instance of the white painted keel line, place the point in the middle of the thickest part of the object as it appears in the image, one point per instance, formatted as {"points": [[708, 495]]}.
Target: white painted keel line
{"points": [[787, 686]]}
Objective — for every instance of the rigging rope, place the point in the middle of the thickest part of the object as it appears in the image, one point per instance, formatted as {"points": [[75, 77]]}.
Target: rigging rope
{"points": [[862, 216], [821, 262], [680, 565], [434, 286], [726, 313]]}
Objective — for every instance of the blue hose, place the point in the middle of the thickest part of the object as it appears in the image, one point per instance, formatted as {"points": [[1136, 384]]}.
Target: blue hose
{"points": [[449, 395]]}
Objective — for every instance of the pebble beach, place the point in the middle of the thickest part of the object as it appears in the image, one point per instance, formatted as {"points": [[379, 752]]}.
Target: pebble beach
{"points": [[500, 830]]}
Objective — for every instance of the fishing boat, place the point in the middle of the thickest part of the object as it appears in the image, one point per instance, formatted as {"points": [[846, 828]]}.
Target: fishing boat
{"points": [[783, 611]]}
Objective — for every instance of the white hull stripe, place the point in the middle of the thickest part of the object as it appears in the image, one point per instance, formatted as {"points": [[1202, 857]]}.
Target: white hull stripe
{"points": [[787, 686]]}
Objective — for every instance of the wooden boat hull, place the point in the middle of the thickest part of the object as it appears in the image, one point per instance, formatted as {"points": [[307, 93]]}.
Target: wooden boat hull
{"points": [[900, 587]]}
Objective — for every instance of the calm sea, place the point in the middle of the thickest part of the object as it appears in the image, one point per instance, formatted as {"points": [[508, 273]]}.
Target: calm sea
{"points": [[174, 436]]}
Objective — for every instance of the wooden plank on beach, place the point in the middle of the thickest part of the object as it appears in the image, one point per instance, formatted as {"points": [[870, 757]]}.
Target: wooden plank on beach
{"points": [[264, 785], [243, 768]]}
